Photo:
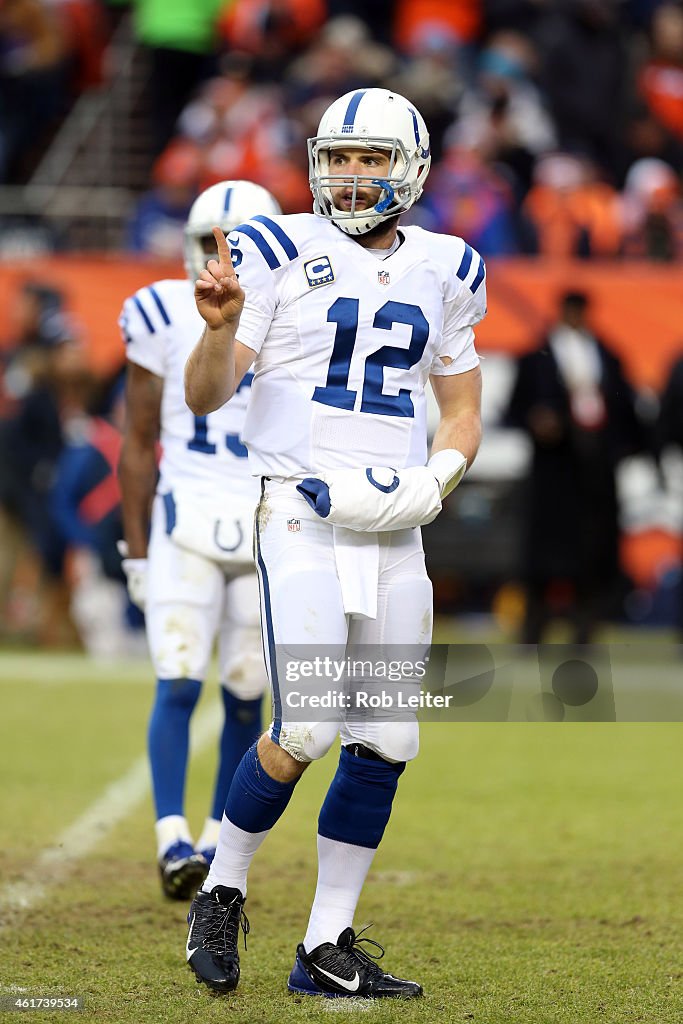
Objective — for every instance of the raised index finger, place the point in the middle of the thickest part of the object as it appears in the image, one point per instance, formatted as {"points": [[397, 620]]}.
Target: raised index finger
{"points": [[223, 247]]}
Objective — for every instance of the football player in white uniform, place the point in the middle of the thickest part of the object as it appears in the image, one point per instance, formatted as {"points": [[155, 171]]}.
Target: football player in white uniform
{"points": [[193, 573], [344, 316]]}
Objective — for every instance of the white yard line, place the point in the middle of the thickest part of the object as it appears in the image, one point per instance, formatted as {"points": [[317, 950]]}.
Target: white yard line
{"points": [[117, 801]]}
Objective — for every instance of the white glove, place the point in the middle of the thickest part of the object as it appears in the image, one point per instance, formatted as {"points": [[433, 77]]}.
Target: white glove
{"points": [[448, 466], [135, 570]]}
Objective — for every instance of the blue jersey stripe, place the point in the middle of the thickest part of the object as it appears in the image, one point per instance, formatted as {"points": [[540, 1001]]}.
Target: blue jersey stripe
{"points": [[481, 273], [148, 323], [266, 251], [226, 201], [465, 263], [160, 306], [284, 239], [350, 115], [245, 382]]}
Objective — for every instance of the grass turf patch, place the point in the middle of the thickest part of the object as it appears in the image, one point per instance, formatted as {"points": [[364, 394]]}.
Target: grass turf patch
{"points": [[530, 874]]}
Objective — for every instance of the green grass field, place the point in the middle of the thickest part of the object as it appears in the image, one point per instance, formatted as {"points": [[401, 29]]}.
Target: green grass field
{"points": [[532, 872]]}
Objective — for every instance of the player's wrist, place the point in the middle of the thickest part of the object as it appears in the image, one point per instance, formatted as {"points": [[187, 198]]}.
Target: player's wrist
{"points": [[221, 333]]}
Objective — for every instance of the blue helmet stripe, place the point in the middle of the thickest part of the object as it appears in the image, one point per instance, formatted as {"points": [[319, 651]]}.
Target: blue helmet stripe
{"points": [[266, 251], [148, 323], [350, 115], [424, 153], [284, 239], [481, 273], [160, 306], [465, 263], [226, 201]]}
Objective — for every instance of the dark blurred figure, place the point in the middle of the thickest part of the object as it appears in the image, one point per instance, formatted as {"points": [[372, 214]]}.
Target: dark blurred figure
{"points": [[157, 223], [669, 434], [85, 497], [572, 398], [37, 323], [503, 114], [85, 508], [377, 15], [44, 394], [670, 422], [181, 40], [343, 56], [34, 80], [584, 77]]}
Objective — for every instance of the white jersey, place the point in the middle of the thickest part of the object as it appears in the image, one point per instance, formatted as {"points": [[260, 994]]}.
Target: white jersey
{"points": [[161, 326], [346, 341]]}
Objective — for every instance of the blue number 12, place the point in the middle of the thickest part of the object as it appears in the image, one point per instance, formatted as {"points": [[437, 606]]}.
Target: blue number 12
{"points": [[344, 312]]}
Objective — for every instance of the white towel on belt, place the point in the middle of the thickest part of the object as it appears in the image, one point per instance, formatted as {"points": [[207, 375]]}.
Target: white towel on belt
{"points": [[357, 558]]}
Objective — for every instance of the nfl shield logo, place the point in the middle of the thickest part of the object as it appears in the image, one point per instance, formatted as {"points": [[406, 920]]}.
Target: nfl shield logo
{"points": [[383, 277], [294, 525]]}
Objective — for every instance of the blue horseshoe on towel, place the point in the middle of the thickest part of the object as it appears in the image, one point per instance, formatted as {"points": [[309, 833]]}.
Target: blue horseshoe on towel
{"points": [[386, 488]]}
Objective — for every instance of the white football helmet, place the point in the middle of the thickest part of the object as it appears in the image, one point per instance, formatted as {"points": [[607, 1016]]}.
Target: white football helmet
{"points": [[370, 119], [226, 204]]}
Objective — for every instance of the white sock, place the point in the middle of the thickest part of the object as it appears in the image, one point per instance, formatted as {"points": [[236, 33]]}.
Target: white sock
{"points": [[342, 870], [234, 854], [208, 840], [170, 830]]}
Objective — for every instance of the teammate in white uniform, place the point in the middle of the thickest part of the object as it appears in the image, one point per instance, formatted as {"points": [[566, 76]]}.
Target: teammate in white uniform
{"points": [[344, 316], [195, 577]]}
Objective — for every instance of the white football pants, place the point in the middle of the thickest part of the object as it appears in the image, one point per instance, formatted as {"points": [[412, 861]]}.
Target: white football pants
{"points": [[302, 606], [192, 601]]}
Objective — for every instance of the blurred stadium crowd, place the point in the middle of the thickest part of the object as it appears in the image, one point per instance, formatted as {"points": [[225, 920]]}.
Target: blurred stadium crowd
{"points": [[557, 125], [557, 131]]}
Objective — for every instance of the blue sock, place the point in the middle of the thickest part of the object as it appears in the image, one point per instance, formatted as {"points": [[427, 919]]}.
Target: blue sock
{"points": [[241, 728], [255, 801], [168, 740], [358, 803]]}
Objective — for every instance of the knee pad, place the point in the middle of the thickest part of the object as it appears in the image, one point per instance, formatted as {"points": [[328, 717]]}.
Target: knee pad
{"points": [[180, 640], [395, 742], [244, 676], [304, 741]]}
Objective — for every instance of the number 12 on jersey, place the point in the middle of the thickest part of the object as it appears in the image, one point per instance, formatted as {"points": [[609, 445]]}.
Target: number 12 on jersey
{"points": [[344, 313]]}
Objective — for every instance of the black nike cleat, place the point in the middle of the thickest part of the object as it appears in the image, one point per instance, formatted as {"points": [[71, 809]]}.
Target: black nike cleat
{"points": [[215, 919], [182, 871], [345, 970]]}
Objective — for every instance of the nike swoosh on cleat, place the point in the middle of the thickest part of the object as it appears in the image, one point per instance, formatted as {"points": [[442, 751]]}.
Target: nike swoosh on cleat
{"points": [[350, 986], [188, 951]]}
